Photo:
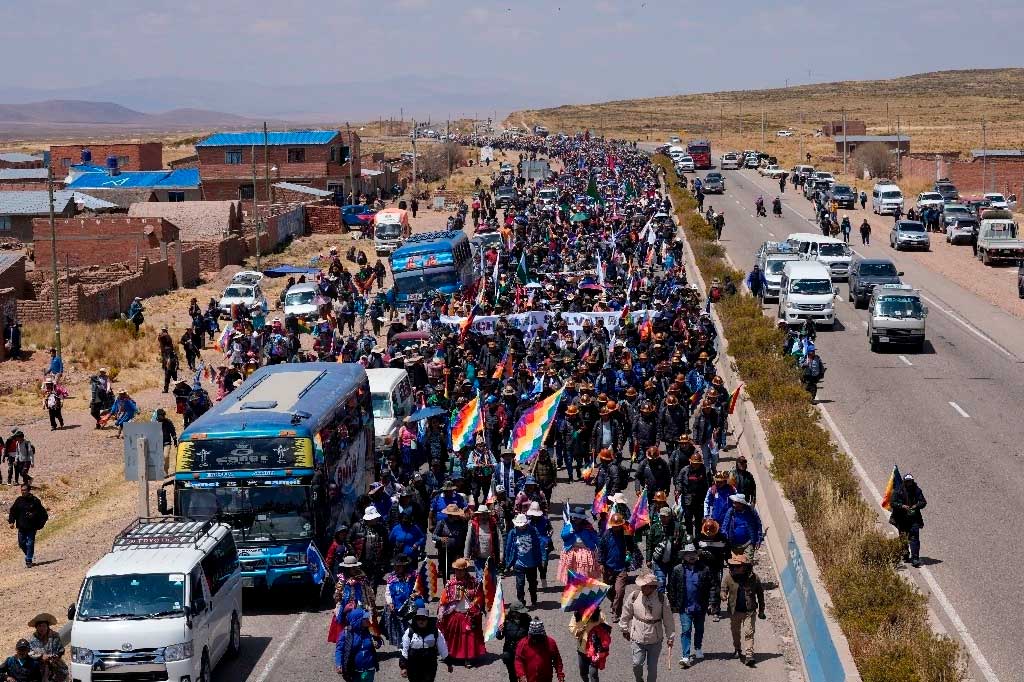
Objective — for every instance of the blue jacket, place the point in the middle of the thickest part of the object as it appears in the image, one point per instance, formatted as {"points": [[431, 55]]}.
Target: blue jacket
{"points": [[355, 650], [689, 588], [408, 540], [716, 502], [742, 527], [611, 550], [523, 548]]}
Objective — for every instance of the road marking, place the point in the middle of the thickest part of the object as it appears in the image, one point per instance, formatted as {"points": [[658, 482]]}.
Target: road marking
{"points": [[959, 410], [947, 607], [908, 363], [770, 233], [286, 642]]}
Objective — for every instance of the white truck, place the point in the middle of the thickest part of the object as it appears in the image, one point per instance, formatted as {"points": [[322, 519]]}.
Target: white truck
{"points": [[999, 238]]}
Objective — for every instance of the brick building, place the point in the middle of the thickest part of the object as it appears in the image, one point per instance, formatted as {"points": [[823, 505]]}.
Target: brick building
{"points": [[835, 128], [104, 240], [131, 156], [314, 158], [23, 178], [19, 208], [993, 170], [851, 142]]}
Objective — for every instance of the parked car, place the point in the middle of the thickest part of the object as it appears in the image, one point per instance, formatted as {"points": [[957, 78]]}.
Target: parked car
{"points": [[962, 229], [953, 212], [909, 234], [783, 133], [772, 170], [730, 161], [686, 164], [886, 197], [997, 200], [356, 215], [929, 200], [714, 183], [248, 295], [247, 277], [674, 140], [947, 189], [868, 273], [843, 195]]}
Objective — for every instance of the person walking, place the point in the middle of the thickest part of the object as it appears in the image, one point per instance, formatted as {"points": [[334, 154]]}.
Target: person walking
{"points": [[523, 555], [28, 515], [21, 457], [53, 402], [593, 643], [646, 623], [865, 232], [743, 480], [612, 554], [744, 595], [170, 440], [515, 630], [99, 395], [689, 594], [423, 646], [907, 504], [355, 654], [414, 206], [537, 657], [742, 526]]}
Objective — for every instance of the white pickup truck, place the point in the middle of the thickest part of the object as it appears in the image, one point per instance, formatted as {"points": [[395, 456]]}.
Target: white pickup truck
{"points": [[999, 238]]}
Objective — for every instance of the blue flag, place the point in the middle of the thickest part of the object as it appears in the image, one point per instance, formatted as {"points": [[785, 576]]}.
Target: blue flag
{"points": [[315, 561]]}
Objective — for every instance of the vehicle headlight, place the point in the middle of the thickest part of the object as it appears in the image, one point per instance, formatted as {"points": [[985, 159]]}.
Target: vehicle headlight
{"points": [[79, 654], [178, 652], [288, 560]]}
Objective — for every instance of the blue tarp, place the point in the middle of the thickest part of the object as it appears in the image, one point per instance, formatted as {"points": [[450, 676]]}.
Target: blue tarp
{"points": [[285, 270]]}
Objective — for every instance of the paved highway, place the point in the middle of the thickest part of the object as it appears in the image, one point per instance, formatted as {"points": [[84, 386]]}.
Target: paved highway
{"points": [[283, 641], [949, 415]]}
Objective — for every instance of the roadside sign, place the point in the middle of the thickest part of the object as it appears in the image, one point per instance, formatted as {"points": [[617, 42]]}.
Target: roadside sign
{"points": [[486, 154], [135, 433]]}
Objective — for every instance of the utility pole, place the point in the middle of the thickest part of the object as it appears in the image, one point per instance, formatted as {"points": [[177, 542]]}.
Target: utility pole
{"points": [[763, 115], [415, 187], [721, 120], [255, 207], [984, 158], [899, 149], [351, 161], [53, 262], [844, 141], [800, 136], [448, 145], [266, 161]]}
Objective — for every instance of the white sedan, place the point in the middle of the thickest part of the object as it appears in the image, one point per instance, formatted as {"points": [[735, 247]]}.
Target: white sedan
{"points": [[686, 165], [784, 133], [772, 170], [926, 199], [997, 200]]}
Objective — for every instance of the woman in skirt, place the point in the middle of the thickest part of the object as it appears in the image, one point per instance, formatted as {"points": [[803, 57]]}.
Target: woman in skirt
{"points": [[461, 614], [399, 586]]}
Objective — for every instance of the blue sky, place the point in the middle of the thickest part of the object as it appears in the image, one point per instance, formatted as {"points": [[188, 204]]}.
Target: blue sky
{"points": [[553, 50]]}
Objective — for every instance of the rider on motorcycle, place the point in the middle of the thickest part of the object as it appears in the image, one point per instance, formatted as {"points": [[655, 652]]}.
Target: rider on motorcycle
{"points": [[812, 371]]}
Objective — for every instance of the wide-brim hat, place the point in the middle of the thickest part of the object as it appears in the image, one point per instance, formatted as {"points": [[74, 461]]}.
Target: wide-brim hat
{"points": [[646, 579], [660, 496], [653, 452], [453, 510], [739, 497], [43, 618], [710, 527], [535, 509], [482, 509], [520, 521], [739, 560], [371, 514], [350, 562], [616, 520], [683, 438], [460, 564]]}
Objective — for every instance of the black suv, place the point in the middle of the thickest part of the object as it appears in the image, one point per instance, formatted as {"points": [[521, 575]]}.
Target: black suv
{"points": [[866, 274], [948, 190], [844, 196]]}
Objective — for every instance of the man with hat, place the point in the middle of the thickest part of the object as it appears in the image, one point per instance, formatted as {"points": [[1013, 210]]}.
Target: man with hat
{"points": [[660, 538], [680, 454], [523, 556], [674, 419], [450, 537], [507, 475], [607, 433], [530, 493], [483, 540], [399, 585], [654, 474], [718, 500], [714, 550], [691, 484], [613, 554], [609, 477], [546, 473], [495, 420], [99, 394], [573, 445], [537, 658], [689, 593], [170, 439], [21, 667], [705, 433], [742, 526], [907, 503], [406, 538], [370, 542], [647, 622], [47, 647], [422, 646], [744, 595], [443, 501], [645, 429], [744, 481]]}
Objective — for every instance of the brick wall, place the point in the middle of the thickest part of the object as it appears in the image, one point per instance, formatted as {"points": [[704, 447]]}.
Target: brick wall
{"points": [[191, 265], [998, 175], [323, 219], [102, 240], [26, 185], [140, 155], [214, 255], [287, 196]]}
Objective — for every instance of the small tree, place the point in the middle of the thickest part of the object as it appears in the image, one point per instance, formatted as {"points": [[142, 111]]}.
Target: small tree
{"points": [[874, 157]]}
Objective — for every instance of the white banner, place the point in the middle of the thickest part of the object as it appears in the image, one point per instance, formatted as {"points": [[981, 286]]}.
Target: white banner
{"points": [[539, 319]]}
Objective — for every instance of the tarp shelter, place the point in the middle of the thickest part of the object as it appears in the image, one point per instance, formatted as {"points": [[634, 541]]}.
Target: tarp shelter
{"points": [[285, 270]]}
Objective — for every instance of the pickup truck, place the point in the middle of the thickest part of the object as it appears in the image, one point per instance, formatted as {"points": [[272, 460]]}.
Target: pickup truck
{"points": [[999, 238]]}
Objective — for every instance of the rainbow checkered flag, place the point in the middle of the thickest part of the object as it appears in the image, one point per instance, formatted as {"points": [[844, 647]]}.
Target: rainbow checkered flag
{"points": [[582, 593], [495, 615], [533, 427]]}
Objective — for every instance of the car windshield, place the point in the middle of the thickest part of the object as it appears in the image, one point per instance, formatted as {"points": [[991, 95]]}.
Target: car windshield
{"points": [[963, 210], [382, 408], [995, 197], [911, 227], [388, 230], [931, 196], [132, 596], [713, 177], [776, 267], [238, 292], [300, 298], [812, 286], [833, 250], [246, 279], [892, 195], [899, 306], [256, 514], [877, 270], [840, 189], [422, 281]]}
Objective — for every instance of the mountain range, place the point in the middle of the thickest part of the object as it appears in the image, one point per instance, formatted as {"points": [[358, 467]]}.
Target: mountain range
{"points": [[81, 112]]}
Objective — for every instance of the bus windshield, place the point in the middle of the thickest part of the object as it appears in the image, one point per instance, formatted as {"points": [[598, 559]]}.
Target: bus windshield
{"points": [[422, 281], [256, 514], [698, 149]]}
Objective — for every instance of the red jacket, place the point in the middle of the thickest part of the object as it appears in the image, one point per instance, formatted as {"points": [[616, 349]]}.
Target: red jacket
{"points": [[537, 662]]}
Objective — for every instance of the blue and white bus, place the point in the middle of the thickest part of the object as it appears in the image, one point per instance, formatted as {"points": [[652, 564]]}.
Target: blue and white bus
{"points": [[282, 460], [431, 262]]}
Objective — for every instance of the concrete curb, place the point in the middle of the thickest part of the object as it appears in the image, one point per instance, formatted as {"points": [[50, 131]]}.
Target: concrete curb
{"points": [[824, 650]]}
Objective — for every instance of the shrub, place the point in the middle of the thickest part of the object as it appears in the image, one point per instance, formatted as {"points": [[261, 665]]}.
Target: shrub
{"points": [[883, 615]]}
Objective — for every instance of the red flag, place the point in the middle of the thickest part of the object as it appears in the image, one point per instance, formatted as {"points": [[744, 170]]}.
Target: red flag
{"points": [[734, 399], [504, 367], [695, 398]]}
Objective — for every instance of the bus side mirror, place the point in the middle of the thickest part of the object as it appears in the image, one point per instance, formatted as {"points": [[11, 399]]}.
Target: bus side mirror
{"points": [[899, 274]]}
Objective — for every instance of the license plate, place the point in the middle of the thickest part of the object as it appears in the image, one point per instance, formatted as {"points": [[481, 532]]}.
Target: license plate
{"points": [[248, 582], [883, 339]]}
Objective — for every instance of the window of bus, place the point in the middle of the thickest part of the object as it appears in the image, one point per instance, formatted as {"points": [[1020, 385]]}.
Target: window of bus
{"points": [[255, 514], [419, 281]]}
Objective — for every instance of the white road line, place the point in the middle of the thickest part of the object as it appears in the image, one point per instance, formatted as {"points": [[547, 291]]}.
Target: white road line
{"points": [[947, 607], [959, 410], [286, 642], [908, 363], [772, 234]]}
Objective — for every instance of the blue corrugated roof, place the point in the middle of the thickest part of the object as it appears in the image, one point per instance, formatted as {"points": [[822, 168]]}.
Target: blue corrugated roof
{"points": [[277, 138], [182, 178]]}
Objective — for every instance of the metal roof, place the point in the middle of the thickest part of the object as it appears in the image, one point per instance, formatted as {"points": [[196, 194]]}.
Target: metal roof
{"points": [[182, 178], [19, 157], [872, 138], [23, 174], [33, 202], [979, 153], [92, 203], [303, 189], [275, 139], [9, 259]]}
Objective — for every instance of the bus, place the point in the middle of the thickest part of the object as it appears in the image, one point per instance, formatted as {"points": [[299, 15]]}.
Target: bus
{"points": [[700, 152], [281, 460], [431, 262]]}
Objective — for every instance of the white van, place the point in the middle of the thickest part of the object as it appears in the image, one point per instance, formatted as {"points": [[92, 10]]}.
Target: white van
{"points": [[834, 253], [164, 604], [886, 197], [391, 395], [806, 293], [300, 300]]}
